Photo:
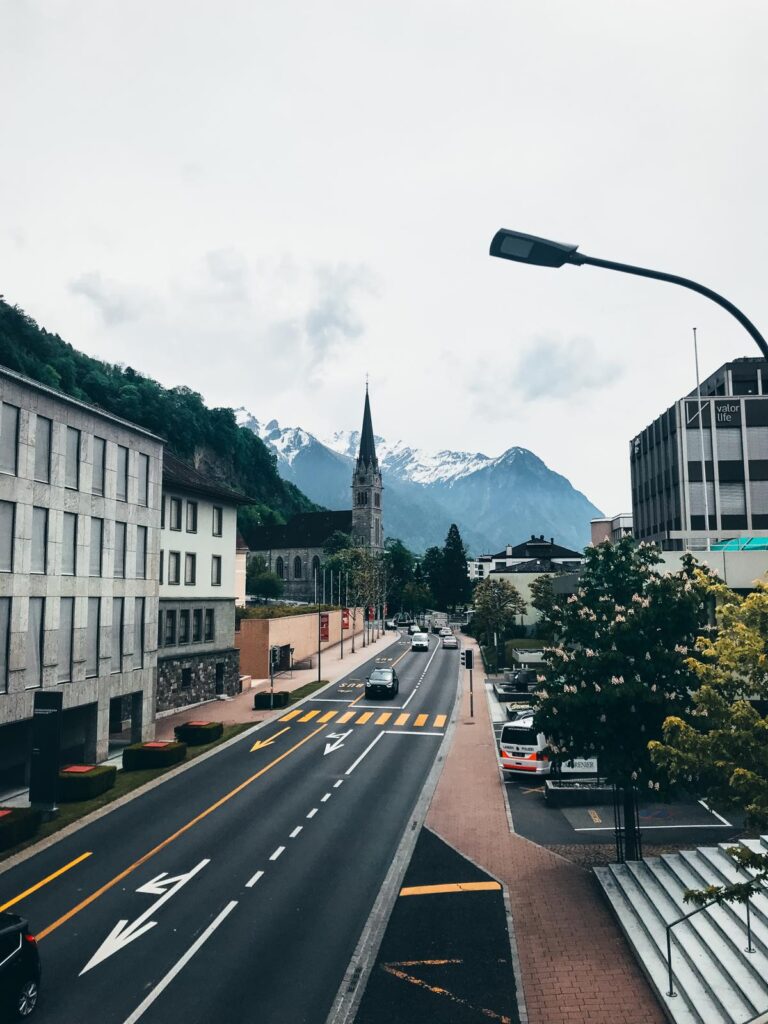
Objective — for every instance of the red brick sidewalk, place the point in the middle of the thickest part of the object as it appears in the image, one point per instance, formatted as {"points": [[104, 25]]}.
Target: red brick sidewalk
{"points": [[574, 962]]}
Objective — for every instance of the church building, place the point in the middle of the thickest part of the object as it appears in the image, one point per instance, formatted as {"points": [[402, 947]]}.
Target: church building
{"points": [[295, 551]]}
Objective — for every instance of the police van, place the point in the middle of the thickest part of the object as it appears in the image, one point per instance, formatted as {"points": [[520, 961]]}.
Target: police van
{"points": [[521, 748]]}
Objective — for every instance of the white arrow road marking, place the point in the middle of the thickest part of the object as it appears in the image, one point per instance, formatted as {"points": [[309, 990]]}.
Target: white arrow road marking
{"points": [[125, 932], [339, 737]]}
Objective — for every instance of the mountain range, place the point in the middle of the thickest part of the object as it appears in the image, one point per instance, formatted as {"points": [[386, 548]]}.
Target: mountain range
{"points": [[494, 501]]}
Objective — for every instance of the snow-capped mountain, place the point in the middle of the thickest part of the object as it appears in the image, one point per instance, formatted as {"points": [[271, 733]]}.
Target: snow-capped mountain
{"points": [[494, 500]]}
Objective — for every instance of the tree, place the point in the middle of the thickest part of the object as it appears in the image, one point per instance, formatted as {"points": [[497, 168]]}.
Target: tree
{"points": [[497, 602], [543, 600], [259, 581], [416, 598], [398, 563], [431, 574], [338, 541], [621, 665], [456, 586]]}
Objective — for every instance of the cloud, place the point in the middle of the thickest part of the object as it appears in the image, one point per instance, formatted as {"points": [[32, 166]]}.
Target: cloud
{"points": [[117, 304], [331, 318], [557, 369], [228, 269]]}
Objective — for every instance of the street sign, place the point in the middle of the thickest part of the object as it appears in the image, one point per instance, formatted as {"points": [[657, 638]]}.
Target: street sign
{"points": [[46, 745], [345, 618], [324, 627]]}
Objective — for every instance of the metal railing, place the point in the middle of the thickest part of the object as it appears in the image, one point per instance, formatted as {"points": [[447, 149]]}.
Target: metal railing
{"points": [[704, 906]]}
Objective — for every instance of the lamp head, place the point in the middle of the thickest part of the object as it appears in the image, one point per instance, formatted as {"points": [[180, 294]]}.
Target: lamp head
{"points": [[540, 252]]}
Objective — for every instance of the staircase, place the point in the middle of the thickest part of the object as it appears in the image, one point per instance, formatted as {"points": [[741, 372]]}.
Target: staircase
{"points": [[715, 980]]}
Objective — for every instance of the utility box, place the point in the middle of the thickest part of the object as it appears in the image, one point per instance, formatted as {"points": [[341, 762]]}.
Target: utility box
{"points": [[46, 749]]}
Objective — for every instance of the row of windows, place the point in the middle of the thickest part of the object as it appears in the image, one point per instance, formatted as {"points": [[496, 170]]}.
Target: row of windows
{"points": [[43, 432], [176, 516], [281, 568], [195, 625], [361, 498], [64, 639], [40, 559], [190, 569]]}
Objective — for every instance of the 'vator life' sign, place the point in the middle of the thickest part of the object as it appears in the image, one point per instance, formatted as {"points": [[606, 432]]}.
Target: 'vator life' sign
{"points": [[728, 414]]}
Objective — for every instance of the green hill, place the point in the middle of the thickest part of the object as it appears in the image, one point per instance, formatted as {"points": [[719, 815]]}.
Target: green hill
{"points": [[208, 438]]}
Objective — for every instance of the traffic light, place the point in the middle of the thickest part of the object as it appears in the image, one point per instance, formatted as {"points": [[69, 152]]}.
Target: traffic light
{"points": [[467, 658]]}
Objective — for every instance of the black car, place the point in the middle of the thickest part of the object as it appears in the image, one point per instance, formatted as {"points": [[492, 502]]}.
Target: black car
{"points": [[382, 682], [19, 968]]}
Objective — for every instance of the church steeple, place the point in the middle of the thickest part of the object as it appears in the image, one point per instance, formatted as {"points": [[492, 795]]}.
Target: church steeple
{"points": [[367, 526]]}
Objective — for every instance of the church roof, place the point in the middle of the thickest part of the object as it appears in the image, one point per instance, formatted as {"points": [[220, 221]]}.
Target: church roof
{"points": [[304, 530], [367, 453]]}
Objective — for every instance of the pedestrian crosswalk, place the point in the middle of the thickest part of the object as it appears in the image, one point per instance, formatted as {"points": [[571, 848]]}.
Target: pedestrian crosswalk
{"points": [[362, 717]]}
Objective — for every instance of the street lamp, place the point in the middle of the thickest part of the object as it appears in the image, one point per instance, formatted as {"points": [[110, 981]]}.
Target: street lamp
{"points": [[541, 252]]}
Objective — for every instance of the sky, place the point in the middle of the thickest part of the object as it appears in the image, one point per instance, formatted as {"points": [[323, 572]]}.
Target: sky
{"points": [[266, 201]]}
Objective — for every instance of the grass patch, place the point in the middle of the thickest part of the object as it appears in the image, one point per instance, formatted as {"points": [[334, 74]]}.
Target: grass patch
{"points": [[125, 782], [304, 691]]}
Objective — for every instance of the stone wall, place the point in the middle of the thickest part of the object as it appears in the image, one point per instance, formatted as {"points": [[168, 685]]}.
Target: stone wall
{"points": [[189, 680]]}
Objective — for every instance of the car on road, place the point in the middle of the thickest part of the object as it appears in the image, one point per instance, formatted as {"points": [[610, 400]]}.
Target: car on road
{"points": [[450, 641], [382, 682], [522, 749], [414, 628], [390, 624], [445, 631], [420, 642], [19, 968]]}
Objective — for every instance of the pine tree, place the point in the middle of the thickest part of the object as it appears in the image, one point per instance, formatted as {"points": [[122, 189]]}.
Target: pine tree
{"points": [[456, 586]]}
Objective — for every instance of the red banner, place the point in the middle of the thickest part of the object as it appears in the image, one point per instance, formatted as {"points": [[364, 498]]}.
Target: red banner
{"points": [[370, 613], [345, 618], [324, 627], [385, 610]]}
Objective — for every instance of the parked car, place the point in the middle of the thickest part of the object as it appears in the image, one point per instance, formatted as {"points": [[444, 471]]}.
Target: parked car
{"points": [[450, 641], [521, 748], [19, 968], [420, 642], [382, 682]]}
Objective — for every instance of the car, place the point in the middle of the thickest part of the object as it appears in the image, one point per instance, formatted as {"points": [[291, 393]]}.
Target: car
{"points": [[382, 682], [390, 624], [414, 628], [19, 968], [445, 631], [450, 641], [420, 642], [522, 749]]}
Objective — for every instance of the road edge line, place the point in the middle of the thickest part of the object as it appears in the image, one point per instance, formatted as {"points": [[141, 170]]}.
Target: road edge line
{"points": [[355, 980]]}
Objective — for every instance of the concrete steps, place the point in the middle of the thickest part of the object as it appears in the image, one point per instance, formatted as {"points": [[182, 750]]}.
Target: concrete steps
{"points": [[715, 979]]}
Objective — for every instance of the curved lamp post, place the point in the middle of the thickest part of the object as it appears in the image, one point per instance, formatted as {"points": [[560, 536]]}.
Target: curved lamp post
{"points": [[541, 252]]}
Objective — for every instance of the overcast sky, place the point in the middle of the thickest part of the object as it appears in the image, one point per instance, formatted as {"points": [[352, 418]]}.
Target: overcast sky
{"points": [[266, 199]]}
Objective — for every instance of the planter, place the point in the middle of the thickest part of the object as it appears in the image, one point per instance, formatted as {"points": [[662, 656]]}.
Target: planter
{"points": [[577, 792], [84, 782], [153, 755], [197, 734], [17, 824], [261, 700]]}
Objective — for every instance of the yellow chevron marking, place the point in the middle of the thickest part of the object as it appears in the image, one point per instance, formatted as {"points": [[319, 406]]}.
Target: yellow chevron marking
{"points": [[327, 716], [366, 715], [420, 720], [309, 715], [402, 719], [345, 717], [383, 718], [291, 714], [439, 721]]}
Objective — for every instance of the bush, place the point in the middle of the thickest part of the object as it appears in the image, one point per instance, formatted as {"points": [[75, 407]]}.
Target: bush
{"points": [[19, 825], [196, 735], [141, 755], [261, 700], [73, 786]]}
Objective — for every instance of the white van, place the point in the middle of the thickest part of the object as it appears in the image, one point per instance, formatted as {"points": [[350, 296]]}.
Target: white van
{"points": [[420, 642], [521, 748]]}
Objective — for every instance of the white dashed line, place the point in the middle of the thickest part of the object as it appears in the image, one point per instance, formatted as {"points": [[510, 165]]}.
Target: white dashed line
{"points": [[277, 853], [326, 797], [252, 881], [296, 831], [338, 783], [312, 813]]}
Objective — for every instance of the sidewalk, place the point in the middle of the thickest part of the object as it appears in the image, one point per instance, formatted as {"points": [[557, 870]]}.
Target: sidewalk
{"points": [[574, 962]]}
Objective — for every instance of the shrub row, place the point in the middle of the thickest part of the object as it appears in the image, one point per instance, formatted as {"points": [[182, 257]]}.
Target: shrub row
{"points": [[261, 700], [196, 735], [85, 785], [140, 756], [18, 826]]}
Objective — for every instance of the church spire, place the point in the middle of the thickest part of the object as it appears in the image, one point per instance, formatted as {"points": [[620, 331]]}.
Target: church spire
{"points": [[367, 454]]}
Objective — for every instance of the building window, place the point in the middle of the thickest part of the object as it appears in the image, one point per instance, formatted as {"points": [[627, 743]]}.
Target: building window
{"points": [[138, 633], [66, 632], [279, 568], [216, 570], [7, 520], [39, 540], [162, 562], [218, 521], [197, 625], [162, 512], [186, 678], [5, 636], [377, 500], [72, 460], [120, 534], [315, 567], [184, 626], [97, 544], [143, 497], [191, 517], [43, 449], [118, 608], [69, 545], [35, 635], [175, 514], [174, 567], [99, 461], [141, 552], [170, 629], [209, 623], [160, 628], [297, 568], [9, 438], [190, 569], [121, 484]]}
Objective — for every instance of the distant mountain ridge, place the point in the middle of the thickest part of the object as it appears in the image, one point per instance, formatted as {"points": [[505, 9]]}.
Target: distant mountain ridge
{"points": [[494, 500]]}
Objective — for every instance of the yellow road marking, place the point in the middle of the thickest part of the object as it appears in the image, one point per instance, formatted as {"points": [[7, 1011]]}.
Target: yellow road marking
{"points": [[345, 717], [383, 718], [327, 716], [166, 842], [440, 721], [290, 715], [402, 719], [438, 991], [45, 881], [352, 703], [431, 890], [309, 715], [265, 743], [595, 816], [364, 718], [420, 720], [424, 963]]}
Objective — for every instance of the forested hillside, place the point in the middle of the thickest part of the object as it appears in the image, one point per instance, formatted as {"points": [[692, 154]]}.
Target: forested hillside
{"points": [[208, 438]]}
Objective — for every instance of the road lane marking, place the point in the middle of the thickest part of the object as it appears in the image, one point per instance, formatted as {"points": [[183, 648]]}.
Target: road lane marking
{"points": [[366, 751], [343, 719], [277, 853], [352, 703], [594, 816], [290, 715], [440, 721], [270, 739], [703, 804], [433, 890], [426, 668], [309, 715], [327, 716], [312, 813], [138, 1013], [252, 881], [326, 797], [411, 732], [383, 718], [166, 842], [402, 719], [337, 783], [364, 718], [420, 720], [45, 881], [439, 991], [295, 831]]}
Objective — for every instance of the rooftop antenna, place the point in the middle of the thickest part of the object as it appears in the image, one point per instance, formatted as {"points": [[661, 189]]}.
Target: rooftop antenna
{"points": [[701, 438]]}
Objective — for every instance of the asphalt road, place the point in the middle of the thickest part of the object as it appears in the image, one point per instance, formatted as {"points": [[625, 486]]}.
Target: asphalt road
{"points": [[238, 889]]}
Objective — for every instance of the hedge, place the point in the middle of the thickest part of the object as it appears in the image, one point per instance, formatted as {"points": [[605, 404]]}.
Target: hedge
{"points": [[85, 785], [262, 701], [19, 825], [195, 735], [140, 756]]}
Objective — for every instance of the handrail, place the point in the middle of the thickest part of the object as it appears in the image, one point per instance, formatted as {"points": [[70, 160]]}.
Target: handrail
{"points": [[671, 925]]}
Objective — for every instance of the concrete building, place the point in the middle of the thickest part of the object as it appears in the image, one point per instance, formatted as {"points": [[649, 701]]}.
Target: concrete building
{"points": [[241, 570], [197, 657], [79, 548], [611, 528]]}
